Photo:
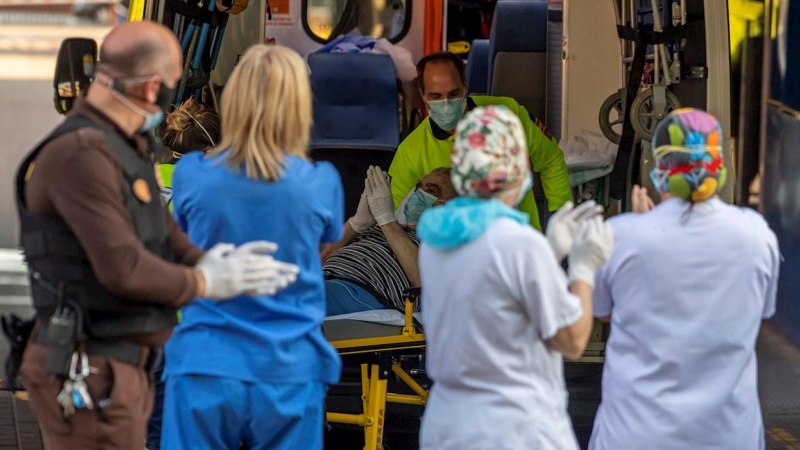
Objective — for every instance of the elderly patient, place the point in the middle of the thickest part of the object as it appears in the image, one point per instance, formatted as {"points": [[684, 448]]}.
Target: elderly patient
{"points": [[376, 260]]}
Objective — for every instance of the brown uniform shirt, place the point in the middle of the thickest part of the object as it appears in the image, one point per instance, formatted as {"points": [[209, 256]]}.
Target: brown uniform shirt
{"points": [[77, 176]]}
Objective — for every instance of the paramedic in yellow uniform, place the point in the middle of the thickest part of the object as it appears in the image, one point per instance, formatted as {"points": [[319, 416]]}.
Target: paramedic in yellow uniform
{"points": [[443, 84]]}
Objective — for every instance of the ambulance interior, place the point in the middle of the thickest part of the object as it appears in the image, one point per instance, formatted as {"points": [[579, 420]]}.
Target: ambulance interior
{"points": [[597, 74]]}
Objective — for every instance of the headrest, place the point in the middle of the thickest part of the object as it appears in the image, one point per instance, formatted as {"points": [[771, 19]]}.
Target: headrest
{"points": [[478, 67], [519, 26], [355, 101]]}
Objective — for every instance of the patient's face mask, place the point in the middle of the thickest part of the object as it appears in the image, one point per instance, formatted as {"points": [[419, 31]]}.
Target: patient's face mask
{"points": [[446, 113], [418, 203]]}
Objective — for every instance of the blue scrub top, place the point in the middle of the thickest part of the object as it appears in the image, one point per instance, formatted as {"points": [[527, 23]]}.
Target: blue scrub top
{"points": [[259, 339]]}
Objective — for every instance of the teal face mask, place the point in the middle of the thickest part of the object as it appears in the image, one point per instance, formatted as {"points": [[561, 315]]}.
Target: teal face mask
{"points": [[446, 113], [152, 120], [163, 100], [418, 203]]}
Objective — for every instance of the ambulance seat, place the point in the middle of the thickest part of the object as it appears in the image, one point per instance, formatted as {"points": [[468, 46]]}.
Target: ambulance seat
{"points": [[518, 54], [518, 65], [478, 67], [356, 119]]}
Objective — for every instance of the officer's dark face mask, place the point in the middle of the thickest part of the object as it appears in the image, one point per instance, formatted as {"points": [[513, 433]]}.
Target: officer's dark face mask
{"points": [[164, 99]]}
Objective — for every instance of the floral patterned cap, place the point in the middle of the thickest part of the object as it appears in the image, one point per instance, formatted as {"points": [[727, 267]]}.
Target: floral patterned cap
{"points": [[687, 148], [490, 152]]}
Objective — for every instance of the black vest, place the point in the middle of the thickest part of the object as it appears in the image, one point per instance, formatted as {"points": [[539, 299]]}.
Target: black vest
{"points": [[57, 263]]}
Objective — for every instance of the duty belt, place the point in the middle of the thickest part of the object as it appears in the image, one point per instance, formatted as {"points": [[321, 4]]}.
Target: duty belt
{"points": [[122, 351]]}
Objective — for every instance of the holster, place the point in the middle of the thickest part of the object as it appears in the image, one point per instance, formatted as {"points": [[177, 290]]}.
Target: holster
{"points": [[18, 332]]}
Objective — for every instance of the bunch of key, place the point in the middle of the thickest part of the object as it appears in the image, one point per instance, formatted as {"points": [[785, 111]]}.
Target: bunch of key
{"points": [[75, 393]]}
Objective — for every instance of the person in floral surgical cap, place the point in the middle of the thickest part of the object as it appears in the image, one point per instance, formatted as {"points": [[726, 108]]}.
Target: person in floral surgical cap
{"points": [[499, 310], [686, 288]]}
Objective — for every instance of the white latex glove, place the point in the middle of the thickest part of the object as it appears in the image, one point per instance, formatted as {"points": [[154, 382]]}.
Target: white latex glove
{"points": [[562, 225], [249, 269], [362, 220], [590, 250], [379, 196]]}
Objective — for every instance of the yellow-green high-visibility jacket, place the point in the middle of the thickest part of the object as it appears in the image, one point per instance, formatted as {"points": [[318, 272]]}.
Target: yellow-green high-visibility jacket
{"points": [[166, 170], [428, 147]]}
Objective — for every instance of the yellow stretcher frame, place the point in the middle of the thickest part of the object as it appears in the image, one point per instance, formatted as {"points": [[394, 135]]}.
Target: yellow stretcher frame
{"points": [[374, 383], [136, 11]]}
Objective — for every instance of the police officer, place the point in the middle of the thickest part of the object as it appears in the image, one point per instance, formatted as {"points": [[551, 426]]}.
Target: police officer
{"points": [[108, 266]]}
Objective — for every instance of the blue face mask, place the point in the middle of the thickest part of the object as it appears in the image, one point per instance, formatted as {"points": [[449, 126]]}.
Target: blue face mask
{"points": [[152, 120], [527, 185], [446, 113], [419, 202]]}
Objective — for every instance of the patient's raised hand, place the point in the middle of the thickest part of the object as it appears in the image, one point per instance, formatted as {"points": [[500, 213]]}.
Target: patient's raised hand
{"points": [[362, 220]]}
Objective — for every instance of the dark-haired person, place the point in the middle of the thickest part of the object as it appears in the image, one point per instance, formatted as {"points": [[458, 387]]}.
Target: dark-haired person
{"points": [[191, 127], [444, 89]]}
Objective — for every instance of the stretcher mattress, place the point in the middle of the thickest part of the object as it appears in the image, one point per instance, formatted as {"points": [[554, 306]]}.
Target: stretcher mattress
{"points": [[365, 325]]}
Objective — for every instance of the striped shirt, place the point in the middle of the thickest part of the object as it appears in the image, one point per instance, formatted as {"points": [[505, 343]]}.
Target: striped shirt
{"points": [[370, 260]]}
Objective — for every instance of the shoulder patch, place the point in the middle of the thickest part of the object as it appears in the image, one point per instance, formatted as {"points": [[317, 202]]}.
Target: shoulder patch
{"points": [[166, 194]]}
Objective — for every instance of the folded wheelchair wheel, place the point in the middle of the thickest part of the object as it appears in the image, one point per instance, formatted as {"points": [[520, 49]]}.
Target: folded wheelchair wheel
{"points": [[612, 117], [197, 78], [645, 117]]}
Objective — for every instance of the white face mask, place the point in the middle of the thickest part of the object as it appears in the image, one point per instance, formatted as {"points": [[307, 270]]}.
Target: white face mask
{"points": [[526, 187]]}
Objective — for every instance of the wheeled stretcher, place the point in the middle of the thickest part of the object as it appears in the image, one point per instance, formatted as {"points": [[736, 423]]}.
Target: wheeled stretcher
{"points": [[382, 343], [379, 341]]}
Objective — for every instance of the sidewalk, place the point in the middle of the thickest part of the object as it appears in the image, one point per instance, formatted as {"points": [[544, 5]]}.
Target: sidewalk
{"points": [[18, 427]]}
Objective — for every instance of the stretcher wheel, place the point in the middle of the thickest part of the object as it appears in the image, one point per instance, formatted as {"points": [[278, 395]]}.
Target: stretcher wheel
{"points": [[197, 78], [643, 117], [611, 118]]}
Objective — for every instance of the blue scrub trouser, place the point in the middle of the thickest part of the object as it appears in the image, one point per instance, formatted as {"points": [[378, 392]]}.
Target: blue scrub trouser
{"points": [[154, 424], [214, 413], [343, 297]]}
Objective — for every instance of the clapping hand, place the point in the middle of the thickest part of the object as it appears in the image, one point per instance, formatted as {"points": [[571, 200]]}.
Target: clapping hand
{"points": [[594, 240], [563, 225], [249, 269], [640, 201], [362, 220]]}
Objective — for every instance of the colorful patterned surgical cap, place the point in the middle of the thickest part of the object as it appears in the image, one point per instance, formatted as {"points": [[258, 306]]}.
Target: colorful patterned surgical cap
{"points": [[687, 148], [490, 152]]}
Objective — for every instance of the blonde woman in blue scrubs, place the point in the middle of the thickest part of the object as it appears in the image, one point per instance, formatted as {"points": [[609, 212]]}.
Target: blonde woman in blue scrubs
{"points": [[255, 369]]}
